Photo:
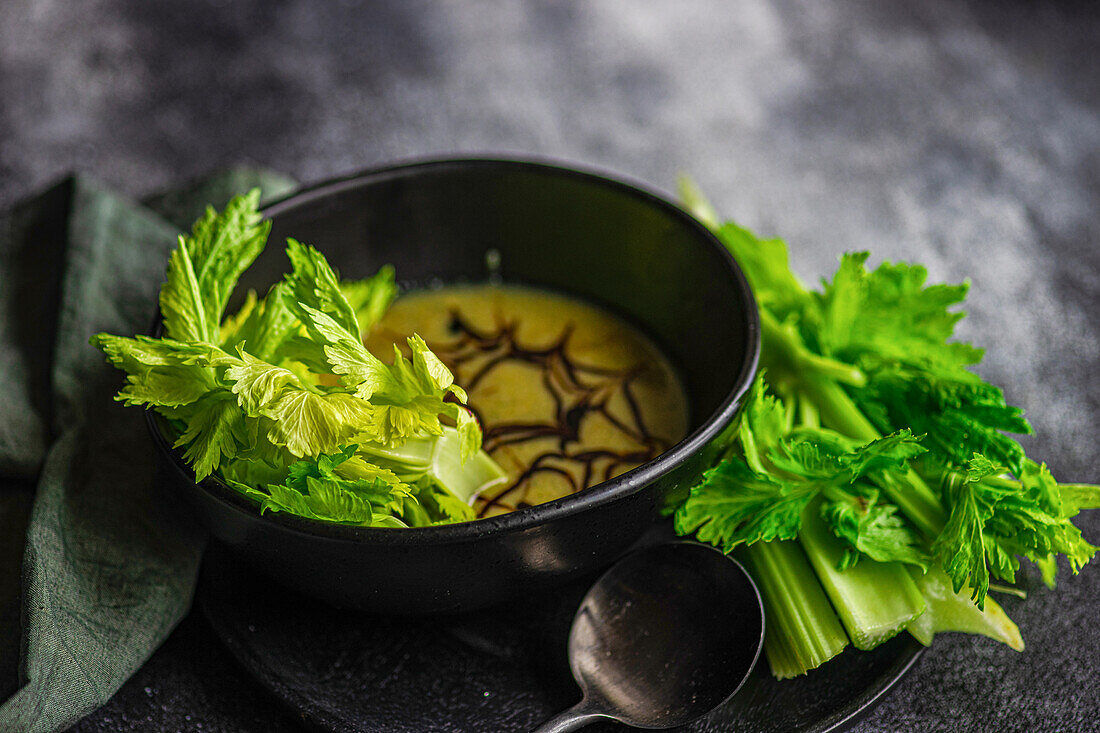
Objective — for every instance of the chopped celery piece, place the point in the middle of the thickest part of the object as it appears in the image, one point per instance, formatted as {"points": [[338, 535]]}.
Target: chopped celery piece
{"points": [[874, 600], [413, 456], [780, 656], [464, 480], [950, 611], [801, 630]]}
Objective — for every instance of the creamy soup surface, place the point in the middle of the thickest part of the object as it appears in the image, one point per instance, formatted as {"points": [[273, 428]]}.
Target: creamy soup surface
{"points": [[567, 394]]}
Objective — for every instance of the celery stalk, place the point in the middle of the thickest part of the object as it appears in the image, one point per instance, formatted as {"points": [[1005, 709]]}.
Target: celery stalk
{"points": [[951, 611], [916, 501], [874, 600], [913, 496], [465, 480], [801, 628], [780, 656]]}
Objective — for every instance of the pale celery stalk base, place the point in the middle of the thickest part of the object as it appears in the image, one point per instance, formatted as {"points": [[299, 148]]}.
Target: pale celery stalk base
{"points": [[950, 611]]}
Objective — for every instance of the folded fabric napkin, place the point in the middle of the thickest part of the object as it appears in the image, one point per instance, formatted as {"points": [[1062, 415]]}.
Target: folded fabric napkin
{"points": [[107, 571]]}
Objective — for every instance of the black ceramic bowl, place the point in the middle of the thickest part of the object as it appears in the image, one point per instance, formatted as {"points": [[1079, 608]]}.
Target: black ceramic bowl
{"points": [[582, 233]]}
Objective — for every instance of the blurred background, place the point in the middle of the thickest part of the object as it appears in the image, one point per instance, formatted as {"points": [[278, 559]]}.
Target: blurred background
{"points": [[955, 132], [964, 134]]}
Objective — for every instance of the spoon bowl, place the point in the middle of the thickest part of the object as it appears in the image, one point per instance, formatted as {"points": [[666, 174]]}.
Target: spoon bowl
{"points": [[666, 635]]}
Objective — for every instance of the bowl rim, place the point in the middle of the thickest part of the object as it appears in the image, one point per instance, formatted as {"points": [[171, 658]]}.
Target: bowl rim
{"points": [[605, 492]]}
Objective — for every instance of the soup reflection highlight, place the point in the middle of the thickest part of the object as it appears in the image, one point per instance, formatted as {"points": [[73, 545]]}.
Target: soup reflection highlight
{"points": [[567, 394]]}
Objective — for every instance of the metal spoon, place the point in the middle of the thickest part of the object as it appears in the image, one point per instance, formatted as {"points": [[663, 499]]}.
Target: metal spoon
{"points": [[666, 635]]}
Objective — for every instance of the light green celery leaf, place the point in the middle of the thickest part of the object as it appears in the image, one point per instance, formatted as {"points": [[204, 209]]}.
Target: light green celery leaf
{"points": [[1002, 562], [960, 548], [205, 266], [241, 472], [763, 423], [378, 486], [888, 453], [232, 323], [766, 264], [261, 327], [313, 283], [735, 505], [1048, 569], [346, 356], [130, 354], [841, 305], [281, 498], [367, 468], [315, 488], [383, 498], [889, 315], [321, 466], [441, 506], [371, 297], [257, 383], [328, 500], [310, 424], [896, 330], [872, 529], [994, 519], [407, 396], [392, 425], [212, 423], [960, 417], [1031, 521], [852, 509], [422, 376], [255, 444], [1037, 480], [160, 372], [433, 373], [300, 348], [762, 495], [469, 430], [826, 461]]}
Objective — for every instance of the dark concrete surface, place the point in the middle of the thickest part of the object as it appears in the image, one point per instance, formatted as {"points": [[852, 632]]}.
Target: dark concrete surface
{"points": [[961, 133]]}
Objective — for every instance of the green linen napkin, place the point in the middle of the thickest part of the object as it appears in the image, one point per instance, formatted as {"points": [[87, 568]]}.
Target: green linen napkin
{"points": [[108, 571]]}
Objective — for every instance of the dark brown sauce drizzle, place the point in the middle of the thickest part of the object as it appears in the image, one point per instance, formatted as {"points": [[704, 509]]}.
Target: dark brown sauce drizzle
{"points": [[577, 390]]}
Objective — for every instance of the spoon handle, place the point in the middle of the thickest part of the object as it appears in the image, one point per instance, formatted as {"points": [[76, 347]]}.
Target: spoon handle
{"points": [[575, 717]]}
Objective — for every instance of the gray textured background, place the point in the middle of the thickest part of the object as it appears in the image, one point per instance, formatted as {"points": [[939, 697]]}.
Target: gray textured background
{"points": [[964, 134]]}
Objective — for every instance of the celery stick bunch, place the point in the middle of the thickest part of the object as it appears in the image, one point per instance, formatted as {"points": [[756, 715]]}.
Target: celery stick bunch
{"points": [[873, 464]]}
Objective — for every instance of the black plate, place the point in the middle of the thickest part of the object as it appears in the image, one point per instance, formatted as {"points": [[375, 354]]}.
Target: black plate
{"points": [[502, 669]]}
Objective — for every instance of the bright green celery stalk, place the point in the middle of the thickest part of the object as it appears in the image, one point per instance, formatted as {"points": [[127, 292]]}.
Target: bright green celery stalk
{"points": [[801, 628], [771, 487], [810, 380], [888, 317], [875, 600]]}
